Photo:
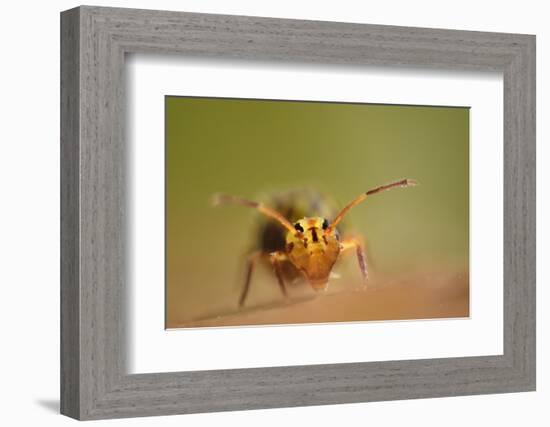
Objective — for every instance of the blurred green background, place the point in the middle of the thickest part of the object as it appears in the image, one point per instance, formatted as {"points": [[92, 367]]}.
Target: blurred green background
{"points": [[250, 147]]}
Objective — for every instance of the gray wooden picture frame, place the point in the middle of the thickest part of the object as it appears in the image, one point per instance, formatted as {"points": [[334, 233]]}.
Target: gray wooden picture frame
{"points": [[94, 381]]}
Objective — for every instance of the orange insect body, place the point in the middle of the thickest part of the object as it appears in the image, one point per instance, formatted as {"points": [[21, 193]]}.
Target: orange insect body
{"points": [[312, 244], [313, 251]]}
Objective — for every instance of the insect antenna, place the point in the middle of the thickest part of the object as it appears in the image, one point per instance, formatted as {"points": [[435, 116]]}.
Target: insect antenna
{"points": [[363, 196], [226, 199]]}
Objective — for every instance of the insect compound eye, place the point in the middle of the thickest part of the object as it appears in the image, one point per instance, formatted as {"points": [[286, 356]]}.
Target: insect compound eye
{"points": [[325, 224], [298, 227]]}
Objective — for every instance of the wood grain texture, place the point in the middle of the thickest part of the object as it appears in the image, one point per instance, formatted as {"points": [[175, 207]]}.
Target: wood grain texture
{"points": [[70, 221], [94, 272]]}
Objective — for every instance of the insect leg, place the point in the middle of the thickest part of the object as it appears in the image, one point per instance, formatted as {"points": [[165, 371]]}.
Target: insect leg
{"points": [[357, 244], [251, 263], [276, 258]]}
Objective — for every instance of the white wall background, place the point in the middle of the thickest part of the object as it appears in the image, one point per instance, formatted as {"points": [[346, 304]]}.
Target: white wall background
{"points": [[29, 213]]}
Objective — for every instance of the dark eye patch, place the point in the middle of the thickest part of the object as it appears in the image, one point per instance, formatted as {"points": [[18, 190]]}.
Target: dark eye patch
{"points": [[298, 227], [325, 224]]}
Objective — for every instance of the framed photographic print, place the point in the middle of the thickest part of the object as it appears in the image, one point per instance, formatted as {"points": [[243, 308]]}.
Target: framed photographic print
{"points": [[261, 213]]}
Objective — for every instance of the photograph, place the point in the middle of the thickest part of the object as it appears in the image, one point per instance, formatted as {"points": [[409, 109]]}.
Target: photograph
{"points": [[295, 212], [262, 210]]}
